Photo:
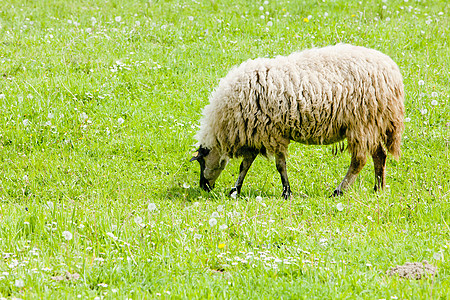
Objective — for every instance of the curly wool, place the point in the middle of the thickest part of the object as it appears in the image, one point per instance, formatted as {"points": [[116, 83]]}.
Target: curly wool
{"points": [[316, 96]]}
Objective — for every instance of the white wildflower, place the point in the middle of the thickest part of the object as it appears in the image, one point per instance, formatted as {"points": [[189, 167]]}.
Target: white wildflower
{"points": [[421, 82], [223, 227], [111, 235], [118, 19], [19, 283], [120, 121], [50, 205]]}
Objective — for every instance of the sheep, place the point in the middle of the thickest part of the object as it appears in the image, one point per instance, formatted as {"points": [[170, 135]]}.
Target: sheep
{"points": [[318, 96]]}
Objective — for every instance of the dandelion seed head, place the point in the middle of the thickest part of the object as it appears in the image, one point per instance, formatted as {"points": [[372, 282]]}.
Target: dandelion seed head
{"points": [[138, 220], [118, 18], [438, 256], [434, 103], [120, 121], [151, 206], [223, 227], [340, 206], [212, 222], [421, 82], [67, 235]]}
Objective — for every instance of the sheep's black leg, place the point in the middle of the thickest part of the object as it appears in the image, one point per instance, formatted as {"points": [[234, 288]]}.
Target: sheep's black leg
{"points": [[379, 164], [356, 166], [280, 161], [243, 169]]}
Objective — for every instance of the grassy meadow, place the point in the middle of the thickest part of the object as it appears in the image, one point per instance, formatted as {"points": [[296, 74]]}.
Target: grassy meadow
{"points": [[99, 103]]}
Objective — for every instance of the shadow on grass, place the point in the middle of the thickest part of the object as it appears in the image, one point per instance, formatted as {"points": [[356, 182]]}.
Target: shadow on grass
{"points": [[181, 194]]}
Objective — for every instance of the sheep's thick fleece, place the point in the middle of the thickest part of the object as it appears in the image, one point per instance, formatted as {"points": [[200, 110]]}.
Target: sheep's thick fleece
{"points": [[316, 96]]}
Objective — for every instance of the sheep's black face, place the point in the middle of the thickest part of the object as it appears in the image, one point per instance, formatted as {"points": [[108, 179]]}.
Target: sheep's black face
{"points": [[211, 165]]}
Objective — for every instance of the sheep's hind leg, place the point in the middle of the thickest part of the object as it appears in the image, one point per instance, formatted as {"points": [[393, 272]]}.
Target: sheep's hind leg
{"points": [[243, 169], [356, 165], [280, 162], [379, 164]]}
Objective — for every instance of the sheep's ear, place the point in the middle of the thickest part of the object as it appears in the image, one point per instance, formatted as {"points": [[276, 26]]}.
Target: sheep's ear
{"points": [[201, 152], [195, 156]]}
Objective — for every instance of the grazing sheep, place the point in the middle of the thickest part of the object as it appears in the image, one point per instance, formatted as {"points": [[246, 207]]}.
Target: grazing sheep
{"points": [[319, 96]]}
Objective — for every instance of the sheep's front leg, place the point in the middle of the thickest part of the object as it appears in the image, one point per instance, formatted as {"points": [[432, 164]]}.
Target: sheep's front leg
{"points": [[243, 169], [356, 165], [280, 162], [379, 164]]}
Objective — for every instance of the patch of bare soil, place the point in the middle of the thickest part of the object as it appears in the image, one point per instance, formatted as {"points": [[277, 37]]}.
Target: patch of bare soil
{"points": [[415, 270]]}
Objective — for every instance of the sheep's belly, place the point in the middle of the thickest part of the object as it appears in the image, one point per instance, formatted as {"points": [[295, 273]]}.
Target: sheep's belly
{"points": [[301, 136]]}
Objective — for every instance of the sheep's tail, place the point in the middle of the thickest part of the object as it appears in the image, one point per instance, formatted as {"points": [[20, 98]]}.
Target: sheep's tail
{"points": [[394, 130], [394, 141], [396, 110]]}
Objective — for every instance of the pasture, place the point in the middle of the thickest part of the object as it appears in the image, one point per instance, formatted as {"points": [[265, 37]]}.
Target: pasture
{"points": [[99, 104]]}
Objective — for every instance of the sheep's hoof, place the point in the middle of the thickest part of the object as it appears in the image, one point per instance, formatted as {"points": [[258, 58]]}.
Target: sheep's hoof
{"points": [[337, 193], [233, 192], [286, 193]]}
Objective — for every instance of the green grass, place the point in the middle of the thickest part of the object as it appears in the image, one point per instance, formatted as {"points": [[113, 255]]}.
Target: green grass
{"points": [[69, 164]]}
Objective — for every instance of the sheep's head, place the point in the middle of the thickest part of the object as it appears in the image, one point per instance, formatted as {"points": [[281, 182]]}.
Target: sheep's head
{"points": [[212, 164]]}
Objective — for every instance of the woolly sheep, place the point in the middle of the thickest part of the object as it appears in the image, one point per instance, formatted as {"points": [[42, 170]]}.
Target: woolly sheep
{"points": [[318, 96]]}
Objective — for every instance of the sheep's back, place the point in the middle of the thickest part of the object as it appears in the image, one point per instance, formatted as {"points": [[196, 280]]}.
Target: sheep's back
{"points": [[317, 96]]}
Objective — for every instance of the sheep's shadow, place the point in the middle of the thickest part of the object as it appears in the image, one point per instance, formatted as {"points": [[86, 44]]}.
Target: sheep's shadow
{"points": [[194, 194]]}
